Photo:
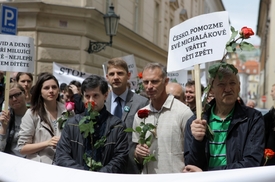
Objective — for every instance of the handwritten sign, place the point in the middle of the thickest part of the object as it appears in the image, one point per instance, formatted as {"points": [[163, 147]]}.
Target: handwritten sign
{"points": [[65, 74], [198, 40], [16, 53]]}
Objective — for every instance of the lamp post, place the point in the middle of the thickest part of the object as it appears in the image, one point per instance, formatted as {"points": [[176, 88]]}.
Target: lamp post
{"points": [[111, 24]]}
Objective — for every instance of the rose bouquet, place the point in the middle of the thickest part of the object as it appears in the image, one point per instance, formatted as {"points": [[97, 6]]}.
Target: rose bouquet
{"points": [[69, 106], [142, 130]]}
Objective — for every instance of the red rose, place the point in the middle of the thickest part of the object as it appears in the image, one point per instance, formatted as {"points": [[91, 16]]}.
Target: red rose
{"points": [[140, 75], [268, 153], [143, 113], [69, 106], [92, 104], [246, 32]]}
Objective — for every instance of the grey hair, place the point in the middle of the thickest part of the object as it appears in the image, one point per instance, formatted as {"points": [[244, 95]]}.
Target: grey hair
{"points": [[157, 65]]}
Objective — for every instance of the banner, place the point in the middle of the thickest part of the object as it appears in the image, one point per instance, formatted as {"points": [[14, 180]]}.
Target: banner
{"points": [[198, 40], [65, 74], [16, 53], [15, 169]]}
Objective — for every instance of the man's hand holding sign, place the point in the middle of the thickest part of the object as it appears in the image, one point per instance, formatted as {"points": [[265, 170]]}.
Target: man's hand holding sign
{"points": [[204, 149]]}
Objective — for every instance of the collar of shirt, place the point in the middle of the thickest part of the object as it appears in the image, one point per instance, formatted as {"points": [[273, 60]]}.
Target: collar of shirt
{"points": [[167, 104]]}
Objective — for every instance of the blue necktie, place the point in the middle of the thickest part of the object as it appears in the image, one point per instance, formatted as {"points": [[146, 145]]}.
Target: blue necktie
{"points": [[118, 109]]}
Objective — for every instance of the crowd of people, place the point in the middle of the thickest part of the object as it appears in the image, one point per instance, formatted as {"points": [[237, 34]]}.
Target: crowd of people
{"points": [[229, 134]]}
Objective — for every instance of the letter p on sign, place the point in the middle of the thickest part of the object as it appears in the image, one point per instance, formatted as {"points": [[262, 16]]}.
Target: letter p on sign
{"points": [[8, 20]]}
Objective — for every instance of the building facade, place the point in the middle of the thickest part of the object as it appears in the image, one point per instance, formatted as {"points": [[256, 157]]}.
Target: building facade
{"points": [[265, 30], [62, 29]]}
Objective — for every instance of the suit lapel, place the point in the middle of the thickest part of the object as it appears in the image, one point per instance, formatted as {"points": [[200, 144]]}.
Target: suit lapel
{"points": [[128, 102], [108, 102]]}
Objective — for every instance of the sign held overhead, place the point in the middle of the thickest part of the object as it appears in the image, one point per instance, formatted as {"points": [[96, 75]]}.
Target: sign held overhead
{"points": [[198, 40]]}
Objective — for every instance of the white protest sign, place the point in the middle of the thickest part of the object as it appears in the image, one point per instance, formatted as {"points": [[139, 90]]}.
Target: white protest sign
{"points": [[198, 40], [130, 60], [16, 53], [180, 77], [65, 75]]}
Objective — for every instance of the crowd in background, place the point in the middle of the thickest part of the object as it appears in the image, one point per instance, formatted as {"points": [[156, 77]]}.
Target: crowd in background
{"points": [[179, 141]]}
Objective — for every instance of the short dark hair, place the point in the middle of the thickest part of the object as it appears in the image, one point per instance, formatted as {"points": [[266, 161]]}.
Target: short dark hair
{"points": [[192, 83], [76, 83], [63, 86], [94, 81]]}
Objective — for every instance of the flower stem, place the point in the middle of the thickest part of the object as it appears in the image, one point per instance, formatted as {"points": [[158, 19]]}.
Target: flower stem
{"points": [[265, 161]]}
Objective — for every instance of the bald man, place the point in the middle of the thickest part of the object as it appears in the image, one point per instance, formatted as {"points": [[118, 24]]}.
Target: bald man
{"points": [[176, 90]]}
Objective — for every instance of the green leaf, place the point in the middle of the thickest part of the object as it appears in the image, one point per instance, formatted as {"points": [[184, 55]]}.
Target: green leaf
{"points": [[88, 160], [67, 114], [234, 33], [213, 69], [87, 128], [82, 121], [151, 126], [138, 129], [229, 48], [128, 130], [246, 46], [100, 143], [149, 138], [142, 123], [233, 68], [149, 158], [96, 165], [145, 128], [141, 141]]}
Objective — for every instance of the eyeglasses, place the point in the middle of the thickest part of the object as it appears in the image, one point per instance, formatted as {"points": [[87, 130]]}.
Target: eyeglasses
{"points": [[15, 95]]}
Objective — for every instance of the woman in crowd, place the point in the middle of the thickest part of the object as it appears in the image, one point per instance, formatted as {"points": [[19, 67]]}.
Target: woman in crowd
{"points": [[72, 93], [10, 121], [25, 80], [39, 132]]}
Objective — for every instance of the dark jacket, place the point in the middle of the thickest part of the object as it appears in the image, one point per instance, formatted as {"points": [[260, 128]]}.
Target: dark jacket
{"points": [[79, 105], [269, 119], [244, 141], [70, 148]]}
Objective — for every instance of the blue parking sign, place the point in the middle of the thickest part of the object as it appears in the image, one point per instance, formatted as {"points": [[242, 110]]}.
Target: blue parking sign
{"points": [[8, 20]]}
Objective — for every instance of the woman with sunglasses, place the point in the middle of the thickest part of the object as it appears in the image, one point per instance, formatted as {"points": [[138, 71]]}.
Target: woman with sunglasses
{"points": [[39, 132], [10, 121]]}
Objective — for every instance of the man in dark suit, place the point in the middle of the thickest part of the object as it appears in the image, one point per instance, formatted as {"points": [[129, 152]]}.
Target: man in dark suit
{"points": [[126, 105]]}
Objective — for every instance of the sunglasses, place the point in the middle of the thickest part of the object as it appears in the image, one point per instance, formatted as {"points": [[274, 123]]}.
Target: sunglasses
{"points": [[15, 95]]}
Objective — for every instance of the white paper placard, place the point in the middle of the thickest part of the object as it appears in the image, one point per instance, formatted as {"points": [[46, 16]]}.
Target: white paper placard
{"points": [[16, 53], [198, 40]]}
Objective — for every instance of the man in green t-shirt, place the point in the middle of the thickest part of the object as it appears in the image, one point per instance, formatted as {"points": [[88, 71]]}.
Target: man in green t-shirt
{"points": [[238, 130]]}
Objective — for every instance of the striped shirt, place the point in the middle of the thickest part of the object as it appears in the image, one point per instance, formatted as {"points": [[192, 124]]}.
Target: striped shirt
{"points": [[217, 147]]}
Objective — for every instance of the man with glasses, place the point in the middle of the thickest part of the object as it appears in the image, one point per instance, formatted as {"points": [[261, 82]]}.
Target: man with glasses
{"points": [[169, 115]]}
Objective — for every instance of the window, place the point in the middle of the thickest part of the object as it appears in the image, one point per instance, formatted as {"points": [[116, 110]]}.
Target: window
{"points": [[156, 23]]}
